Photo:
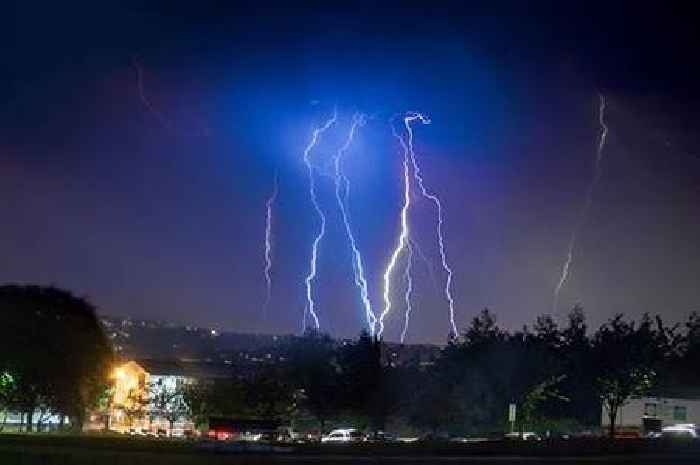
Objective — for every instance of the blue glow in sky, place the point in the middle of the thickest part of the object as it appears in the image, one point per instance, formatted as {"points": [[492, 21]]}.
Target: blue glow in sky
{"points": [[166, 221]]}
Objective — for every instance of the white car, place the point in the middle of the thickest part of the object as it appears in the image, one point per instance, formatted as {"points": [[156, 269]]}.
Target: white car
{"points": [[526, 436], [138, 432], [686, 430], [345, 435]]}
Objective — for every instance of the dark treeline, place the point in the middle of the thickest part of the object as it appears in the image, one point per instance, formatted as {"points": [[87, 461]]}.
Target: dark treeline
{"points": [[54, 359], [559, 377]]}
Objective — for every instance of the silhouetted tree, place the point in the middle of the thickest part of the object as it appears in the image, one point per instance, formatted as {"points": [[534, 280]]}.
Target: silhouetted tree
{"points": [[269, 395], [198, 398], [626, 356], [475, 378], [577, 363], [226, 397], [135, 406], [362, 377], [683, 376], [691, 341], [104, 404], [220, 397], [313, 372], [435, 390], [7, 392], [533, 400], [465, 388], [54, 350], [170, 403]]}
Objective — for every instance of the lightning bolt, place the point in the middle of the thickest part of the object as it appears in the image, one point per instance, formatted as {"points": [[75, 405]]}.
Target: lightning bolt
{"points": [[342, 195], [410, 118], [308, 281], [402, 241], [409, 289], [303, 321], [597, 172], [428, 264], [142, 95], [413, 248], [268, 243]]}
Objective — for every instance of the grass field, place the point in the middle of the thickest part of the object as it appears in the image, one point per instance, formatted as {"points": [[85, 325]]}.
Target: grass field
{"points": [[95, 450]]}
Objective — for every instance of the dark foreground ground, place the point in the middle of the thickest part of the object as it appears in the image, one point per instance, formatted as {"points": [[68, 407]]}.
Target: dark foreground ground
{"points": [[48, 450]]}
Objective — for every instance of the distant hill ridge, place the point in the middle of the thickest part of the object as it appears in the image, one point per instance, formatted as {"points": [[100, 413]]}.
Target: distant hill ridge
{"points": [[164, 340]]}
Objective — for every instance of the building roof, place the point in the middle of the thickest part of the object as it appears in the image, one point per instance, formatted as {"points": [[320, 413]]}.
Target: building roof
{"points": [[676, 392]]}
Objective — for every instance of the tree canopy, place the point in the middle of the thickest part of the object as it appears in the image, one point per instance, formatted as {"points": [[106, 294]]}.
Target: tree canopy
{"points": [[53, 352]]}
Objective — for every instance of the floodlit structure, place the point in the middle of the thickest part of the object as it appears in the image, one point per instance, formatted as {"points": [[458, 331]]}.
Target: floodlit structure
{"points": [[147, 399], [652, 413]]}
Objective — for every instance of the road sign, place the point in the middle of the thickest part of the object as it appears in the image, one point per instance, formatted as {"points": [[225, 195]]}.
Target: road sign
{"points": [[511, 413]]}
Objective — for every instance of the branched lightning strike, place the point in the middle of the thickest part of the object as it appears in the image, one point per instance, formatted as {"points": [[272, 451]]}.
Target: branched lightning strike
{"points": [[268, 243], [410, 118], [597, 172], [310, 305], [342, 195], [409, 289], [402, 241]]}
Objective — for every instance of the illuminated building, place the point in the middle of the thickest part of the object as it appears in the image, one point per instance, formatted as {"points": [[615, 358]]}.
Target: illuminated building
{"points": [[651, 413], [134, 407]]}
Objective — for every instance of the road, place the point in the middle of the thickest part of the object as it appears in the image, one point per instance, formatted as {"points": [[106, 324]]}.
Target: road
{"points": [[48, 450], [671, 459]]}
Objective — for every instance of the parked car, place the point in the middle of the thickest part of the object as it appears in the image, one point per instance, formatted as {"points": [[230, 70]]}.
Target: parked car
{"points": [[138, 432], [291, 436], [681, 431], [267, 436], [468, 439], [380, 436], [345, 435], [313, 435], [526, 436]]}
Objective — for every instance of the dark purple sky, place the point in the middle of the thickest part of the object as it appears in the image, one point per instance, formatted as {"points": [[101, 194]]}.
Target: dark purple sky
{"points": [[160, 214]]}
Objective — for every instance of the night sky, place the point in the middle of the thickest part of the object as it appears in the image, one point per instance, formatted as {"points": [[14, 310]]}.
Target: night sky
{"points": [[155, 208]]}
